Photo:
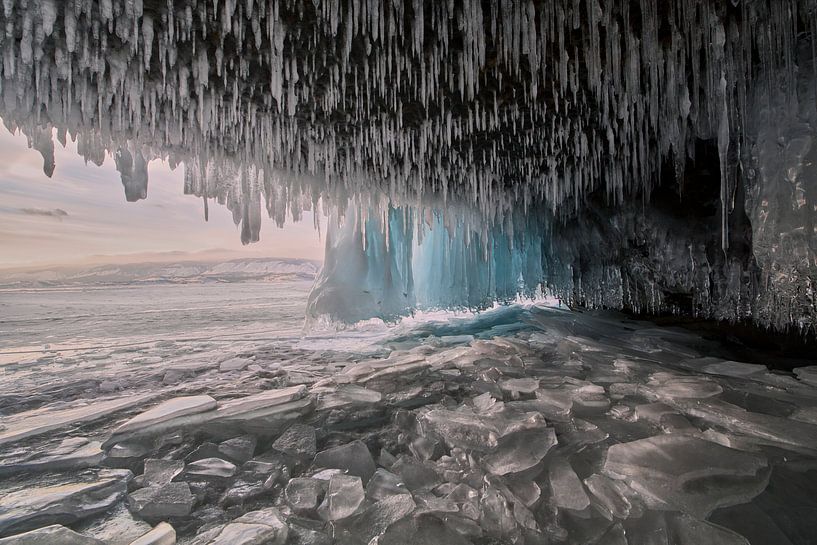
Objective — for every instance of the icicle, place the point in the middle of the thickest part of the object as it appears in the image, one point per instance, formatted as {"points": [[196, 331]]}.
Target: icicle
{"points": [[527, 105]]}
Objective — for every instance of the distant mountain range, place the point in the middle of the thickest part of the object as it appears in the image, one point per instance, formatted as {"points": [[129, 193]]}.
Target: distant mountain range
{"points": [[183, 272]]}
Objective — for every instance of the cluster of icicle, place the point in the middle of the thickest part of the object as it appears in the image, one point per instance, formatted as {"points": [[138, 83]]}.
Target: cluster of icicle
{"points": [[495, 105], [499, 103]]}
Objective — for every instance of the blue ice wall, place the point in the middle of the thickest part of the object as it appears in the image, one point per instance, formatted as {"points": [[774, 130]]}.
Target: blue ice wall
{"points": [[387, 265], [367, 268]]}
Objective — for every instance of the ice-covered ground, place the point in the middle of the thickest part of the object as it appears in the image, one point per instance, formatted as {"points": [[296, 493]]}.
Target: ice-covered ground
{"points": [[523, 424]]}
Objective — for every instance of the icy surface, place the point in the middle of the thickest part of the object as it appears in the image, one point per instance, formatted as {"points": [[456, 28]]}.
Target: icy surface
{"points": [[66, 501], [51, 534], [162, 534], [523, 424], [687, 473]]}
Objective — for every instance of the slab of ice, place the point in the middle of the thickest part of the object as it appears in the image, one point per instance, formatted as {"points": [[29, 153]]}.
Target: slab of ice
{"points": [[806, 414], [485, 403], [305, 533], [390, 371], [519, 451], [266, 413], [67, 501], [555, 403], [667, 386], [653, 412], [464, 428], [428, 530], [519, 385], [395, 364], [117, 526], [129, 452], [245, 489], [427, 502], [766, 429], [157, 503], [50, 535], [234, 364], [375, 519], [260, 404], [347, 395], [343, 497], [162, 417], [496, 515], [304, 494], [209, 469], [297, 441], [523, 488], [354, 458], [691, 531], [426, 448], [162, 534], [734, 369], [160, 472], [254, 528], [384, 484], [207, 449], [238, 449], [609, 497], [687, 473], [565, 486], [467, 498], [71, 453], [46, 419], [415, 474], [807, 374], [615, 535]]}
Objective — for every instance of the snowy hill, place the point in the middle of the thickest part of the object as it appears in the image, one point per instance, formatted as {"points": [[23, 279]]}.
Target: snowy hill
{"points": [[236, 270]]}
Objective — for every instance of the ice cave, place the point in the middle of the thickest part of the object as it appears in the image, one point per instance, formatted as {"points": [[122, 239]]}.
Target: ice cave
{"points": [[648, 168]]}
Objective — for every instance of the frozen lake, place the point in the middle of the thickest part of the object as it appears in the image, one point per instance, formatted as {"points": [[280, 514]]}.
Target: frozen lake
{"points": [[195, 404], [114, 316]]}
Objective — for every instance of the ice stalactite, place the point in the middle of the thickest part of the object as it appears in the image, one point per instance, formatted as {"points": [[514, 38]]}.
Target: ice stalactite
{"points": [[463, 100], [495, 107]]}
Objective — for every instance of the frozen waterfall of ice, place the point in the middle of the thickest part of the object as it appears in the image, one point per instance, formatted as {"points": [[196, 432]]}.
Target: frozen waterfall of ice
{"points": [[388, 266]]}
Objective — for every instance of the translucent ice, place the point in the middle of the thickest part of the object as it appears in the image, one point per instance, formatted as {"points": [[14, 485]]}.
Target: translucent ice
{"points": [[353, 458], [520, 451], [567, 489], [687, 473], [465, 429], [304, 494], [343, 497]]}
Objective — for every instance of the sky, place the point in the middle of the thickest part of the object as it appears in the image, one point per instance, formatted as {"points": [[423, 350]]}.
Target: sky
{"points": [[80, 214]]}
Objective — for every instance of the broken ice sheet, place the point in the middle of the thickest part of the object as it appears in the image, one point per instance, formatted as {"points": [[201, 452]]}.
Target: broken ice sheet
{"points": [[667, 386], [687, 473], [353, 458], [384, 484], [304, 494], [565, 486], [367, 525], [760, 428], [610, 498], [464, 428], [343, 497], [519, 451]]}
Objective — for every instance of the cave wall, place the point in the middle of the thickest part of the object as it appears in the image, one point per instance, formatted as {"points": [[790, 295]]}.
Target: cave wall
{"points": [[662, 251]]}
